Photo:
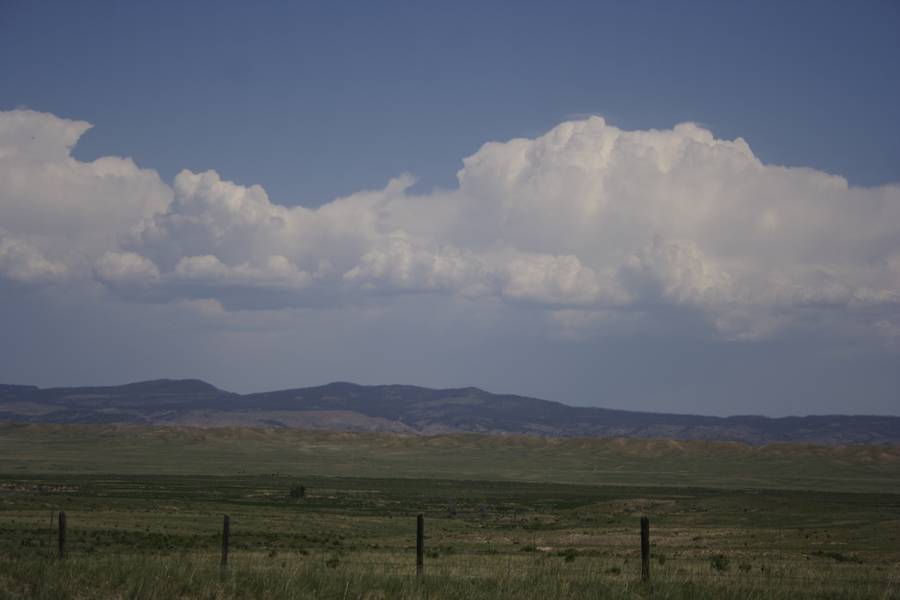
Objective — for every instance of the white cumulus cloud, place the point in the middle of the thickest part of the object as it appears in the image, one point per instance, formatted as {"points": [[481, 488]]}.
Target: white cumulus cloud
{"points": [[588, 222], [126, 267], [22, 262]]}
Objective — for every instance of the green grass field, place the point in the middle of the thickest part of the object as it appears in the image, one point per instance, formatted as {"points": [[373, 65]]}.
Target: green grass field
{"points": [[505, 517]]}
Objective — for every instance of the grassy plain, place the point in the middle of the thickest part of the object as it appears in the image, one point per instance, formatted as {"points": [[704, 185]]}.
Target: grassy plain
{"points": [[505, 517]]}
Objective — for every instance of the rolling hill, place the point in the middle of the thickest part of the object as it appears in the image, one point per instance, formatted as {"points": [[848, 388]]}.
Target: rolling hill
{"points": [[411, 410]]}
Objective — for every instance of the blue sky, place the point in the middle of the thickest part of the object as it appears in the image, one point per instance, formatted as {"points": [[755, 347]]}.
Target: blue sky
{"points": [[316, 100], [622, 262]]}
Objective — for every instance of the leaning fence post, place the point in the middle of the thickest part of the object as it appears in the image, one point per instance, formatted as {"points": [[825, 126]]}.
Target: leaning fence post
{"points": [[420, 544], [225, 527], [645, 549], [62, 535]]}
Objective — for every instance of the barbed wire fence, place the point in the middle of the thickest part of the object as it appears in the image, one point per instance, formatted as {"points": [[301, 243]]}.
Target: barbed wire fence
{"points": [[414, 560]]}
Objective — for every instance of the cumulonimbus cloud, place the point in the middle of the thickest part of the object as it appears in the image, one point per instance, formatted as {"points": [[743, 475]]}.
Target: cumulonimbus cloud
{"points": [[585, 220]]}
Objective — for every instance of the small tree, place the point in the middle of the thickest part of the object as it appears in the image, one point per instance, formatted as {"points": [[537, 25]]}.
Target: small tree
{"points": [[298, 491]]}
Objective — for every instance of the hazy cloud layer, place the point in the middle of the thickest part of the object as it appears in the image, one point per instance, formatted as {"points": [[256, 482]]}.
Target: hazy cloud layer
{"points": [[595, 228]]}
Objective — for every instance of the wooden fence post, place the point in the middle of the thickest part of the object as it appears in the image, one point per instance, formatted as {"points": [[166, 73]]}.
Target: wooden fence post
{"points": [[420, 544], [62, 535], [226, 523], [50, 534], [645, 549]]}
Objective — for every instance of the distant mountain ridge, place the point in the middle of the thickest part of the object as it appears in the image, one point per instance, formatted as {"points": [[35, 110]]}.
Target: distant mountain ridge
{"points": [[411, 410]]}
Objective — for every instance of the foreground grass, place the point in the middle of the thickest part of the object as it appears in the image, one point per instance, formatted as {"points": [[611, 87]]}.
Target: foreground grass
{"points": [[289, 576]]}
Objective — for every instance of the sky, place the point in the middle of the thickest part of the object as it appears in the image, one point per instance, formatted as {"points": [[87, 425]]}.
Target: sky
{"points": [[691, 208]]}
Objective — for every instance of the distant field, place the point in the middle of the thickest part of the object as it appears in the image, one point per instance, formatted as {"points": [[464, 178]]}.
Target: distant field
{"points": [[596, 461], [505, 517]]}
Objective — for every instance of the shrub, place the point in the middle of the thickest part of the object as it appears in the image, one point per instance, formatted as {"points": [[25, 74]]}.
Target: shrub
{"points": [[720, 562], [569, 554]]}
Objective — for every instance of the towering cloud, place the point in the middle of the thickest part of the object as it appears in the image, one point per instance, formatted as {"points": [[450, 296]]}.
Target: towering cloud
{"points": [[588, 224]]}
